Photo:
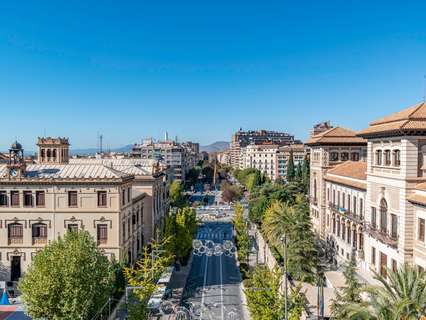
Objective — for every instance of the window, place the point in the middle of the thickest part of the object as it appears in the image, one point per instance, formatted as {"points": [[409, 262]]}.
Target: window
{"points": [[328, 194], [338, 199], [39, 230], [14, 197], [344, 156], [361, 207], [72, 227], [387, 158], [72, 198], [421, 229], [354, 205], [102, 199], [102, 233], [383, 216], [348, 230], [349, 202], [396, 158], [394, 226], [133, 218], [15, 233], [124, 231], [379, 157], [355, 156], [129, 194], [334, 156], [40, 199], [334, 197], [373, 256], [343, 200], [383, 265], [3, 199], [123, 197], [343, 231], [373, 217], [28, 199], [394, 266]]}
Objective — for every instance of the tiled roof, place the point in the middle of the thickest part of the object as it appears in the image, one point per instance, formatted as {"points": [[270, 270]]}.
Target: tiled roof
{"points": [[129, 166], [350, 169], [352, 173], [337, 135], [294, 147], [417, 198], [412, 118], [68, 171]]}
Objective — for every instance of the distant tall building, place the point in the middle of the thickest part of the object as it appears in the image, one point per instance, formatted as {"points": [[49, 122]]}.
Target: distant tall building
{"points": [[242, 139], [180, 157]]}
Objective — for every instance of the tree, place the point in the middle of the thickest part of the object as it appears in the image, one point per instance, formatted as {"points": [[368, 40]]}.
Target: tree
{"points": [[299, 172], [69, 279], [350, 294], [177, 197], [180, 228], [231, 193], [265, 300], [293, 221], [145, 274], [306, 173], [401, 296], [242, 236], [291, 173]]}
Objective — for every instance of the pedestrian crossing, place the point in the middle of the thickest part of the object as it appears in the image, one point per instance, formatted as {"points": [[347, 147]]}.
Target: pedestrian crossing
{"points": [[220, 235]]}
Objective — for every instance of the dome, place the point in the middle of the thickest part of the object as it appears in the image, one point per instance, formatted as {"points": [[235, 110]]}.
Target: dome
{"points": [[16, 146]]}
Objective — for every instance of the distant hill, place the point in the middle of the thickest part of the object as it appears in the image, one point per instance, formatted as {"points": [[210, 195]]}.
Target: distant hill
{"points": [[215, 146]]}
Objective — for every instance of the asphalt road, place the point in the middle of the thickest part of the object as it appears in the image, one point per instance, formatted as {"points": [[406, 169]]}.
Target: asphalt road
{"points": [[213, 285]]}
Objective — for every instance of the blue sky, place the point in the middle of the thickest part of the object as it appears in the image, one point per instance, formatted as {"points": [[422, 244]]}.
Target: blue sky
{"points": [[202, 69]]}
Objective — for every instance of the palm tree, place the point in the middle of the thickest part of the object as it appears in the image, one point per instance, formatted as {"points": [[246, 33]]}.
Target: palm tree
{"points": [[293, 221], [402, 296]]}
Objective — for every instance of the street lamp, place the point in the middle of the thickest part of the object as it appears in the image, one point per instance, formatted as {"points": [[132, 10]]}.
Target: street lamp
{"points": [[284, 240]]}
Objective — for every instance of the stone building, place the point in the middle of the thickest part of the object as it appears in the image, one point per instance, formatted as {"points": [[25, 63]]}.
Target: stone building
{"points": [[376, 208], [42, 201]]}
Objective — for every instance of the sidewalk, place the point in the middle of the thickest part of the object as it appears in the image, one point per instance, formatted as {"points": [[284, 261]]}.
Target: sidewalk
{"points": [[177, 285]]}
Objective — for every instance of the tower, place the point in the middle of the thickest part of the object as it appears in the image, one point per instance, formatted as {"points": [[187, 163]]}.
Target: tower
{"points": [[53, 150], [16, 165]]}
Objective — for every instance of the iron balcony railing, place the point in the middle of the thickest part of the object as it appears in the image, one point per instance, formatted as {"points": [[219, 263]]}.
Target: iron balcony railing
{"points": [[383, 236], [346, 213]]}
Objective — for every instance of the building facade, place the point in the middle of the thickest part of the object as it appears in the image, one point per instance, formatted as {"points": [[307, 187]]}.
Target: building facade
{"points": [[375, 208], [181, 157], [242, 139]]}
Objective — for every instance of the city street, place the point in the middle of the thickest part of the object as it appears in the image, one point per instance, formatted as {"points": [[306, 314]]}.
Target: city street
{"points": [[213, 286]]}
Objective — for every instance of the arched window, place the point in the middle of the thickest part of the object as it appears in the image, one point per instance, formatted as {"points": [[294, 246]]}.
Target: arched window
{"points": [[315, 189], [344, 156], [48, 153], [379, 157], [334, 156], [54, 154], [383, 215], [42, 153], [355, 156]]}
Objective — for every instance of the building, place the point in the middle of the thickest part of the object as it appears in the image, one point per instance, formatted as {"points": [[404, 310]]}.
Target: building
{"points": [[368, 191], [283, 155], [262, 157], [328, 149], [242, 139], [40, 202], [223, 157], [151, 178], [181, 157]]}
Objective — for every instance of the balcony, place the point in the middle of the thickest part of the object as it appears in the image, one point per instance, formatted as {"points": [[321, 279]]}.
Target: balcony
{"points": [[16, 240], [39, 240], [346, 213], [382, 236]]}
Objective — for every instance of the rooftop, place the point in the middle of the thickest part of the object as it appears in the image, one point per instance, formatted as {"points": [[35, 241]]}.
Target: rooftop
{"points": [[351, 173], [337, 135], [402, 122]]}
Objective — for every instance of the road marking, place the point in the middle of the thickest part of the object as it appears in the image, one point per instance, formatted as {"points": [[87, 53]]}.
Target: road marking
{"points": [[204, 285]]}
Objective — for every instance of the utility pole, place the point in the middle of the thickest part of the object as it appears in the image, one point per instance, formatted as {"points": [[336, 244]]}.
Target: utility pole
{"points": [[284, 240]]}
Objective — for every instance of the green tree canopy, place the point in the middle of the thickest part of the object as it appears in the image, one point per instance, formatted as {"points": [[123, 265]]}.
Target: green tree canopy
{"points": [[69, 279], [291, 173], [177, 197]]}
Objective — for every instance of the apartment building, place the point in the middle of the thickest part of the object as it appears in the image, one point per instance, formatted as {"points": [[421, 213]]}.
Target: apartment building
{"points": [[181, 157], [263, 158], [375, 208], [297, 151], [242, 139]]}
